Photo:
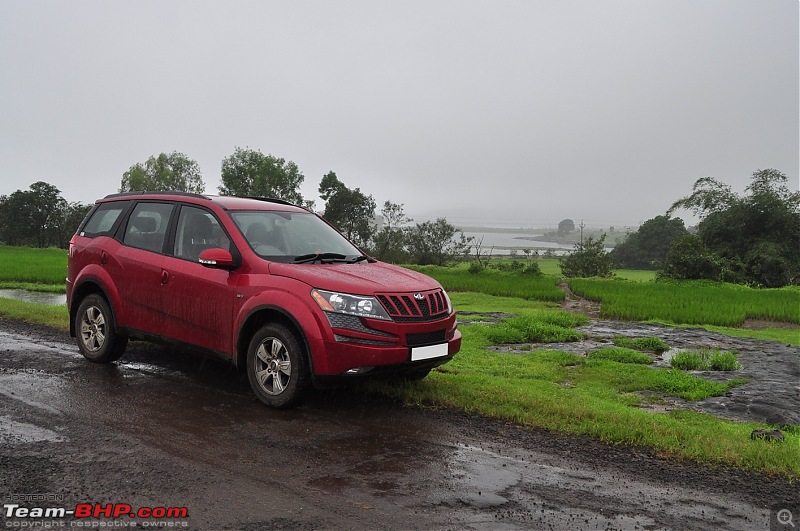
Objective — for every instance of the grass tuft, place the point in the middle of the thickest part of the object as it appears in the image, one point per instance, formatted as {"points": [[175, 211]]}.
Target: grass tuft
{"points": [[540, 327], [649, 344], [706, 360], [620, 355]]}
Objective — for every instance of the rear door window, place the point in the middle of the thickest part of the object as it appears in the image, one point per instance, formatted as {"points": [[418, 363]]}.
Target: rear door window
{"points": [[147, 226]]}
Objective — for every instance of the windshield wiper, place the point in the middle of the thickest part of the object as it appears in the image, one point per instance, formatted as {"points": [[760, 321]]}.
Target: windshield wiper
{"points": [[322, 257], [328, 258]]}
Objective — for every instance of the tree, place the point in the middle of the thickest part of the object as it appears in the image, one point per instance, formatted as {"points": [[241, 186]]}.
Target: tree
{"points": [[389, 242], [565, 226], [14, 223], [690, 259], [35, 217], [350, 211], [249, 172], [757, 236], [708, 195], [164, 173], [648, 246], [73, 214], [435, 242], [588, 259]]}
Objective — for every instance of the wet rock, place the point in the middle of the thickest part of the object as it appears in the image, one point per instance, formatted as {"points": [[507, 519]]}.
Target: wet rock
{"points": [[767, 435]]}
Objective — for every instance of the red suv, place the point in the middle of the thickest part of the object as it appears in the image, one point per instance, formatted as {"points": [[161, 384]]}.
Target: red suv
{"points": [[267, 285]]}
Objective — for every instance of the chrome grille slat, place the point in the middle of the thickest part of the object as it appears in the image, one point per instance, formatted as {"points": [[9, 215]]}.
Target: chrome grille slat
{"points": [[404, 307]]}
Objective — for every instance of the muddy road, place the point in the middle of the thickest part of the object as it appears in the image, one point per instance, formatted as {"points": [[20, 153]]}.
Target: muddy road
{"points": [[164, 429]]}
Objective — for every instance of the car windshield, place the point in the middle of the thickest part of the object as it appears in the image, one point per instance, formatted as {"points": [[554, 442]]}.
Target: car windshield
{"points": [[293, 236]]}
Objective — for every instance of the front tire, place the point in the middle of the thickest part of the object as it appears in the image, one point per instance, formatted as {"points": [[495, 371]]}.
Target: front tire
{"points": [[277, 367], [96, 331]]}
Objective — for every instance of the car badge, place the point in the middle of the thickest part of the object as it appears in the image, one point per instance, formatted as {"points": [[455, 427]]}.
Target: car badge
{"points": [[419, 296]]}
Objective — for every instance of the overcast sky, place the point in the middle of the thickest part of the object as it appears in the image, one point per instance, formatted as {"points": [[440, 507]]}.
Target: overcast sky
{"points": [[492, 112]]}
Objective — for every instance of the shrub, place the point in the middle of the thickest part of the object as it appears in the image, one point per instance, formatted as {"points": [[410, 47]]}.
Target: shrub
{"points": [[475, 267], [512, 265], [532, 270], [690, 259], [588, 259]]}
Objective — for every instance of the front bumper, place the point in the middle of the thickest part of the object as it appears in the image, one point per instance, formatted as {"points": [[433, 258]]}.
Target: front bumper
{"points": [[349, 358]]}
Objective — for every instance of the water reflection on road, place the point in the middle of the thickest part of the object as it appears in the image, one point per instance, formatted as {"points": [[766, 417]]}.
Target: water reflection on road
{"points": [[34, 296]]}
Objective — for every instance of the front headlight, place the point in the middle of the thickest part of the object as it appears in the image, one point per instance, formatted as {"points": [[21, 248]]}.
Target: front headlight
{"points": [[359, 305]]}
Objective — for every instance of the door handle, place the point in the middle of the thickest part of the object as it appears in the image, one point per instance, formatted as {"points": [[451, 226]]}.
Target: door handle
{"points": [[164, 276]]}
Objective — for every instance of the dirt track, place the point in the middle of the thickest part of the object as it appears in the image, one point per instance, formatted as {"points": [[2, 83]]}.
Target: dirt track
{"points": [[168, 429]]}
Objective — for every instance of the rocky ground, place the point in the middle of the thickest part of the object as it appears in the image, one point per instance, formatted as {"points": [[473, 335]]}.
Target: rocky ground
{"points": [[772, 394], [170, 429]]}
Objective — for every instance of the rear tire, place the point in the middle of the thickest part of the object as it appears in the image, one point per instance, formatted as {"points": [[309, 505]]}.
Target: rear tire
{"points": [[96, 331], [277, 367]]}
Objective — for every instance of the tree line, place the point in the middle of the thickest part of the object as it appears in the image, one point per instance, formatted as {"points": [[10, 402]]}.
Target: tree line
{"points": [[753, 238], [40, 217], [746, 239]]}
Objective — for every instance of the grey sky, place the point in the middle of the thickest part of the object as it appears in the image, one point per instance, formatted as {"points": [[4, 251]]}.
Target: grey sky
{"points": [[522, 113]]}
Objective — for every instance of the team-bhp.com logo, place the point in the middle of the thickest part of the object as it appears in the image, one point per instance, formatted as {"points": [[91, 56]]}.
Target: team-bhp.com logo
{"points": [[114, 511]]}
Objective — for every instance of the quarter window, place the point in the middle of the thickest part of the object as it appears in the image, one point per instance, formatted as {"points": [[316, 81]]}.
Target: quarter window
{"points": [[103, 219]]}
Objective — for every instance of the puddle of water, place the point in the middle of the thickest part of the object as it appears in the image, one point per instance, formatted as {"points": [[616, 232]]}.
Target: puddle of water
{"points": [[666, 357], [33, 388], [53, 299], [18, 342], [484, 475], [14, 432]]}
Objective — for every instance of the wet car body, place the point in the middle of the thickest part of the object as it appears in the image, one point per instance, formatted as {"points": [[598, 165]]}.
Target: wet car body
{"points": [[344, 313]]}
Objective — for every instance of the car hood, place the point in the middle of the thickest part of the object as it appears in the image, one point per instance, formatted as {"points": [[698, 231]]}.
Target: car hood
{"points": [[362, 278]]}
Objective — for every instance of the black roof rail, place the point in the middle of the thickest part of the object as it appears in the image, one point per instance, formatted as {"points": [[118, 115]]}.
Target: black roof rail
{"points": [[269, 200], [158, 192]]}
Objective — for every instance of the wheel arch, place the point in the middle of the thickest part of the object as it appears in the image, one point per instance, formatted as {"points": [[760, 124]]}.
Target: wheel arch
{"points": [[261, 316], [87, 287]]}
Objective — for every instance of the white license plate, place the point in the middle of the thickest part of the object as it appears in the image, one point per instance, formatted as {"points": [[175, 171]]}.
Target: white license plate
{"points": [[431, 351]]}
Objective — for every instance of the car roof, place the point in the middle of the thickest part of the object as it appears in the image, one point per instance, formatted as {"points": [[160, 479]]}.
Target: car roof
{"points": [[227, 202]]}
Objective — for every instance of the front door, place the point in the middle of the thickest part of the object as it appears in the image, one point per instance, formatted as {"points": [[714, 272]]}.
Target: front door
{"points": [[198, 301]]}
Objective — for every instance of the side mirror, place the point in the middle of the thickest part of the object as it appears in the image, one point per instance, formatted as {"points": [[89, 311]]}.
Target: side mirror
{"points": [[217, 258]]}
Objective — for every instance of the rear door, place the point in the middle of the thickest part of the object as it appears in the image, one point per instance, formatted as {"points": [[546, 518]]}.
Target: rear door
{"points": [[138, 267]]}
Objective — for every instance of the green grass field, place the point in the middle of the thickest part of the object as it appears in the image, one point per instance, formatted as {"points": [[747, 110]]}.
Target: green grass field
{"points": [[23, 265], [607, 395], [690, 302]]}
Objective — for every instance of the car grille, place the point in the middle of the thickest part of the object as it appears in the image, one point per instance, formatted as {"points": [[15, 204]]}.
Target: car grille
{"points": [[415, 307], [425, 338]]}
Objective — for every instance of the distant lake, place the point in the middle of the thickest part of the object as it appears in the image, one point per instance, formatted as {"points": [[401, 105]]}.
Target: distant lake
{"points": [[503, 242]]}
